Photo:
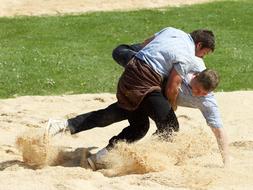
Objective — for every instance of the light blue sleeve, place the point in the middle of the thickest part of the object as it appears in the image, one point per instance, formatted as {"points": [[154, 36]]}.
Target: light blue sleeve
{"points": [[187, 64], [210, 111], [182, 69]]}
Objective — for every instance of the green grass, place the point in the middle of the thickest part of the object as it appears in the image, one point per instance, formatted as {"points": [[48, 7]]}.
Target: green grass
{"points": [[72, 54]]}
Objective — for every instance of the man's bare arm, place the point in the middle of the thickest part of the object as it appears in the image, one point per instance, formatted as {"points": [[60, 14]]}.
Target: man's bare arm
{"points": [[172, 86], [222, 141]]}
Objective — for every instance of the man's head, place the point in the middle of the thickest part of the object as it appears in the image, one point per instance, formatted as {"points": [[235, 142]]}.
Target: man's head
{"points": [[204, 82], [204, 42]]}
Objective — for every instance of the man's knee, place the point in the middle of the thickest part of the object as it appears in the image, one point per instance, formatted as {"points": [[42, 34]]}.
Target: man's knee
{"points": [[123, 53], [169, 125], [166, 130], [130, 134], [143, 130]]}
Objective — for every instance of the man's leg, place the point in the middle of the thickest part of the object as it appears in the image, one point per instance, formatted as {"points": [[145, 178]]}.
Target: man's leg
{"points": [[139, 125], [137, 129], [100, 118], [123, 53], [156, 106]]}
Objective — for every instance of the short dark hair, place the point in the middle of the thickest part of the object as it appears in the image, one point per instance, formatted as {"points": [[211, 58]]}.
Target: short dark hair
{"points": [[209, 79], [205, 37]]}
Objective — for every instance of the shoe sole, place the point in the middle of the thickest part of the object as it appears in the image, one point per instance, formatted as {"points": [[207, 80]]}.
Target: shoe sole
{"points": [[92, 164], [46, 132]]}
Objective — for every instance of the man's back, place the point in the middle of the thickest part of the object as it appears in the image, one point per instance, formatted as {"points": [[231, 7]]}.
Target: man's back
{"points": [[169, 46]]}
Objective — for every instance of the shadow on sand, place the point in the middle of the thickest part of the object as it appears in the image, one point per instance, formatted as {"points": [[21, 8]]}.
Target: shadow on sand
{"points": [[65, 158]]}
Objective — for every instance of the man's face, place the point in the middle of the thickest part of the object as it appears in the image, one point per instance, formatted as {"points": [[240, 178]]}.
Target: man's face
{"points": [[201, 52], [197, 88]]}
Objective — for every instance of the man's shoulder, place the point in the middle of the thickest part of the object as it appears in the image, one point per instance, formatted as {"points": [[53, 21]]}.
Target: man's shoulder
{"points": [[173, 31]]}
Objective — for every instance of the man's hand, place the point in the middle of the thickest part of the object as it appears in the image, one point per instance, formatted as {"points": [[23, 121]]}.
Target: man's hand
{"points": [[222, 141]]}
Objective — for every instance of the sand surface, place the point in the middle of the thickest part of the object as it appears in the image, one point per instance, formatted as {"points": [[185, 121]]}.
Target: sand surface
{"points": [[54, 7], [192, 162], [28, 161]]}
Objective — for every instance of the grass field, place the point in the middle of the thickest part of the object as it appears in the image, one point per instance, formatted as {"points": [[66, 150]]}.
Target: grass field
{"points": [[72, 54]]}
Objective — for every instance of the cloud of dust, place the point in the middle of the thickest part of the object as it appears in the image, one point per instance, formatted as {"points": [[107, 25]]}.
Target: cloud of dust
{"points": [[148, 156], [178, 162], [156, 155], [36, 149]]}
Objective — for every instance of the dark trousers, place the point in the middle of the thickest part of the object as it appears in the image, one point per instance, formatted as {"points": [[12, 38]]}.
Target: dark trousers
{"points": [[154, 105], [99, 118], [123, 53]]}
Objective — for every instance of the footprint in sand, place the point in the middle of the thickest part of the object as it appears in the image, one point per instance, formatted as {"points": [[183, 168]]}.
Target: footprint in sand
{"points": [[32, 125], [246, 145], [185, 117], [9, 149], [99, 99]]}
